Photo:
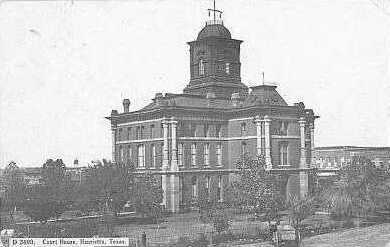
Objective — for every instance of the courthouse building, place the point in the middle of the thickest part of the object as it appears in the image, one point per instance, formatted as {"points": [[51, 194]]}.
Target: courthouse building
{"points": [[192, 140]]}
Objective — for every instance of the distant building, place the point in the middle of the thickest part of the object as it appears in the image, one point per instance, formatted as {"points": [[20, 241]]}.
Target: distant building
{"points": [[338, 156], [192, 140]]}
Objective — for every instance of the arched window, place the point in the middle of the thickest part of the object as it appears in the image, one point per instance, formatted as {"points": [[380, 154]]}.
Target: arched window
{"points": [[201, 67]]}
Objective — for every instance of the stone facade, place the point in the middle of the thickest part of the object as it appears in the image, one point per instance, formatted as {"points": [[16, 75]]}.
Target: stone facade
{"points": [[193, 140]]}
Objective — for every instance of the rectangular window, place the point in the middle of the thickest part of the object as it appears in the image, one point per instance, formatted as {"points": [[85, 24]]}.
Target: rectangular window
{"points": [[201, 67], [206, 152], [151, 131], [192, 129], [206, 130], [153, 156], [283, 128], [137, 133], [243, 148], [219, 189], [121, 154], [283, 154], [129, 154], [119, 135], [227, 68], [218, 130], [208, 189], [194, 189], [243, 129], [142, 132], [128, 133], [141, 155], [193, 154], [219, 154], [180, 154]]}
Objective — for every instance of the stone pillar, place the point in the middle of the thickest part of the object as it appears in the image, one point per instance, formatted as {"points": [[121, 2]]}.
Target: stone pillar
{"points": [[313, 160], [113, 137], [303, 176], [174, 186], [267, 133], [165, 165], [258, 134], [174, 146], [302, 123]]}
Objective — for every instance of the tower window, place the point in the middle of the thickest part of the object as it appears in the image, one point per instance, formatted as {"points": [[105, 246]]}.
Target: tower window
{"points": [[201, 67], [227, 68]]}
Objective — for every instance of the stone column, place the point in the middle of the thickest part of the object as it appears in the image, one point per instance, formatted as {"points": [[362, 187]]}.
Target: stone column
{"points": [[174, 192], [258, 134], [303, 176], [267, 133], [174, 146], [113, 137], [313, 160], [302, 124], [165, 164]]}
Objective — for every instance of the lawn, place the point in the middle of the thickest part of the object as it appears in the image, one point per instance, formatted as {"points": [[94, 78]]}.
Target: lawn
{"points": [[187, 226], [372, 236]]}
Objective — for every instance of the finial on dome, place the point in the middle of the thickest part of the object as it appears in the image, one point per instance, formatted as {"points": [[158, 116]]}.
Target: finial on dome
{"points": [[215, 13]]}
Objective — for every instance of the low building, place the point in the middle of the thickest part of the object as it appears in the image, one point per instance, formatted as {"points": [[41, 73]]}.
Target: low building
{"points": [[338, 156]]}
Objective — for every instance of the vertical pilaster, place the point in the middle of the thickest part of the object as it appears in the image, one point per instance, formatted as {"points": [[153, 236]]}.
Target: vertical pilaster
{"points": [[174, 186], [113, 137], [174, 145], [258, 134], [303, 176], [302, 124], [312, 144], [267, 133], [165, 165]]}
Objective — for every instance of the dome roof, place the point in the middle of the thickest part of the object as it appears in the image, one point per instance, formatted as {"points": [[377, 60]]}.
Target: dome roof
{"points": [[214, 30]]}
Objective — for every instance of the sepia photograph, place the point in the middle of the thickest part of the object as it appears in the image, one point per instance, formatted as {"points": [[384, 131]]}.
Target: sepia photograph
{"points": [[194, 123]]}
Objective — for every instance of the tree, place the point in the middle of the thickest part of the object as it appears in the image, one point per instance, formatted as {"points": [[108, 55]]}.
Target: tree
{"points": [[299, 209], [50, 198], [257, 189], [147, 195], [107, 187], [358, 192], [15, 189]]}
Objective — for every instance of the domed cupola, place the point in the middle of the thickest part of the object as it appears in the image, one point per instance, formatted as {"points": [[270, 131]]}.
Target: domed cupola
{"points": [[214, 30]]}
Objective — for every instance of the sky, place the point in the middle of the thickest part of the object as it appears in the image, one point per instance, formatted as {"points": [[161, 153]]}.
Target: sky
{"points": [[64, 65]]}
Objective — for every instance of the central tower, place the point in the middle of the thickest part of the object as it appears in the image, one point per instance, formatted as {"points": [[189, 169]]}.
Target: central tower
{"points": [[215, 65]]}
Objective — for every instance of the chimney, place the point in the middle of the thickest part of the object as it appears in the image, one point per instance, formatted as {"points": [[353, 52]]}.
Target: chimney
{"points": [[158, 97], [126, 105]]}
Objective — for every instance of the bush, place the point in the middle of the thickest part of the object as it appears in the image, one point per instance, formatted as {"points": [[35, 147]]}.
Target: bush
{"points": [[221, 221]]}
